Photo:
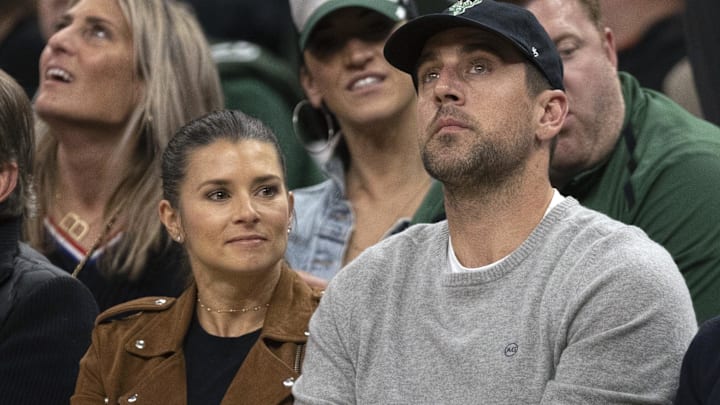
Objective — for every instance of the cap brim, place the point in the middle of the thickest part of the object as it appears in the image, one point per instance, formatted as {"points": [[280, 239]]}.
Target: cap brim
{"points": [[391, 10], [404, 46]]}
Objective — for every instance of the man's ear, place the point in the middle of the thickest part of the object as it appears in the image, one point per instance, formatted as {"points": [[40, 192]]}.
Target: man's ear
{"points": [[554, 109], [312, 92], [8, 179], [608, 43]]}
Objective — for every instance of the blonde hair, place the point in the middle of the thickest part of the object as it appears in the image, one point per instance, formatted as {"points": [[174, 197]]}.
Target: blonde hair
{"points": [[172, 57]]}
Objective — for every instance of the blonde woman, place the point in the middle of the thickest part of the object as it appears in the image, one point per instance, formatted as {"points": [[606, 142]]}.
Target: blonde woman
{"points": [[118, 77]]}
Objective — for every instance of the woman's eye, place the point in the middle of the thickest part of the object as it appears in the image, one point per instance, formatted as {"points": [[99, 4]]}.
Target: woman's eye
{"points": [[60, 25], [98, 31], [268, 191], [218, 195], [324, 46]]}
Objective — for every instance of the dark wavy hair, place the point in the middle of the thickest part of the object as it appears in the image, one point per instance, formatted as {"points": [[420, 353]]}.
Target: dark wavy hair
{"points": [[16, 145], [230, 125]]}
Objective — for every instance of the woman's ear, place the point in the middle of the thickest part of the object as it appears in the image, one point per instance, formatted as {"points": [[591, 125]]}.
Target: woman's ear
{"points": [[171, 220], [312, 92], [8, 179], [554, 109], [291, 206]]}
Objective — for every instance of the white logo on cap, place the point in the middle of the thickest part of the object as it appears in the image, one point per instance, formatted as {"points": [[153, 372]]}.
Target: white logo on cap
{"points": [[535, 52], [461, 6]]}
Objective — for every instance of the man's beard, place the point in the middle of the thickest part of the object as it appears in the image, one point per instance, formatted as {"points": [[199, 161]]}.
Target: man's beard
{"points": [[491, 159]]}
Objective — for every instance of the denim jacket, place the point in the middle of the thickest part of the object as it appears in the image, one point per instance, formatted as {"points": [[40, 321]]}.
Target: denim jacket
{"points": [[324, 222]]}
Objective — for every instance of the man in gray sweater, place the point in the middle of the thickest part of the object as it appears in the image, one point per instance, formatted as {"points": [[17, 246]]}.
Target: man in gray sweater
{"points": [[522, 296]]}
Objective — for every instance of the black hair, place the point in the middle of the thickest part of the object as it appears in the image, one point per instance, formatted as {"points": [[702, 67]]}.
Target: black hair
{"points": [[231, 125], [16, 145]]}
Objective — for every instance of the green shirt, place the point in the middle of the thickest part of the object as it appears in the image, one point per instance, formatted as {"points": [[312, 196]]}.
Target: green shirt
{"points": [[664, 177]]}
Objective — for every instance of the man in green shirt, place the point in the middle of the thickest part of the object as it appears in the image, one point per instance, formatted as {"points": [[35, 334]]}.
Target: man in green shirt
{"points": [[633, 154]]}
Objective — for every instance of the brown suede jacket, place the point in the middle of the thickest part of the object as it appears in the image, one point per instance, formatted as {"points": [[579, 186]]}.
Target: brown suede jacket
{"points": [[136, 356]]}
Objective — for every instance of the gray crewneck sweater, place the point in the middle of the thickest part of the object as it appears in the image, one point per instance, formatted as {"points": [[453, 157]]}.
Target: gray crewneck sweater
{"points": [[586, 311]]}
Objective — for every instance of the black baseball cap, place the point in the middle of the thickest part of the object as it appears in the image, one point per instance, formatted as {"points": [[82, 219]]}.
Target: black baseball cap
{"points": [[509, 21]]}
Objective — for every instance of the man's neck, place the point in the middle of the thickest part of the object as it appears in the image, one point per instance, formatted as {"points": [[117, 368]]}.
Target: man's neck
{"points": [[487, 228]]}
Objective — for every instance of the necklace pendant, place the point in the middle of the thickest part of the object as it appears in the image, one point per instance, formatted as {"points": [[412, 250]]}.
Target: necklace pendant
{"points": [[74, 226]]}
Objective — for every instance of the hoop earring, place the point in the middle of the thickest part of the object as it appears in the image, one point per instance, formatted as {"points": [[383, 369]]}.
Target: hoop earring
{"points": [[332, 135]]}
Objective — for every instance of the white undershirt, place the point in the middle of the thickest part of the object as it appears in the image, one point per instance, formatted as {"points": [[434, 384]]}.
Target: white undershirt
{"points": [[456, 267]]}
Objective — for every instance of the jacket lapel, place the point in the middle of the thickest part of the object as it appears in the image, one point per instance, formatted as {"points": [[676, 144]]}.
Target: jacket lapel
{"points": [[159, 345], [263, 379], [154, 388], [267, 374]]}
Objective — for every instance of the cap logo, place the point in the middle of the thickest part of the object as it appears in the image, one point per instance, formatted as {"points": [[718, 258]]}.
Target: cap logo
{"points": [[461, 6], [535, 52]]}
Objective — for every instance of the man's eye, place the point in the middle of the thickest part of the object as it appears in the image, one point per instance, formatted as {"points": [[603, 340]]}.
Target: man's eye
{"points": [[478, 68], [429, 76], [567, 50]]}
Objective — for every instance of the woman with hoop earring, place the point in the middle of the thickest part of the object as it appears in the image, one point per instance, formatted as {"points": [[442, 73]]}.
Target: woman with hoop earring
{"points": [[377, 184]]}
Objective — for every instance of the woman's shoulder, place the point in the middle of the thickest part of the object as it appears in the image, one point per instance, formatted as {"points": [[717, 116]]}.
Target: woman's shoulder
{"points": [[135, 309], [301, 293]]}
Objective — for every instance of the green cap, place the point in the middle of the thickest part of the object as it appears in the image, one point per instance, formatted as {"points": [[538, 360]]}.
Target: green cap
{"points": [[307, 13]]}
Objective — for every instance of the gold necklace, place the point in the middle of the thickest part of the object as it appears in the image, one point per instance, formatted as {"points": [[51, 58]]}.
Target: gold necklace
{"points": [[72, 223], [96, 243], [74, 226], [232, 310]]}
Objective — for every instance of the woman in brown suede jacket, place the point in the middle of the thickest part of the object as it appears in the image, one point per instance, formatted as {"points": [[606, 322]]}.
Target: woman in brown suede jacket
{"points": [[237, 334]]}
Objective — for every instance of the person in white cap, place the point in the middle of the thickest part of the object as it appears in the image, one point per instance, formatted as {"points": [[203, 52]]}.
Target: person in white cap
{"points": [[522, 296], [377, 184]]}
